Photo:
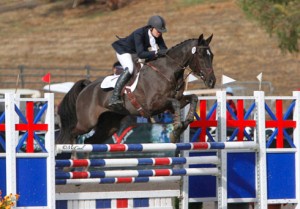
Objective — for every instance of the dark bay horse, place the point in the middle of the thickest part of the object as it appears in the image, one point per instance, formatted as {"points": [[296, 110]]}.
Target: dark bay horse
{"points": [[160, 87]]}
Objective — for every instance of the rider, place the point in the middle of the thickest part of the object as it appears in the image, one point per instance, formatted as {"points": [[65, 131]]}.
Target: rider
{"points": [[138, 43]]}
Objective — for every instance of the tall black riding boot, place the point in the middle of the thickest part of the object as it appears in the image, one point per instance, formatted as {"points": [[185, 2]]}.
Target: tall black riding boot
{"points": [[115, 100]]}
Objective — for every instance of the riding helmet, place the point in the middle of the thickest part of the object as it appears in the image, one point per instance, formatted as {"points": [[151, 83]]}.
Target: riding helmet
{"points": [[158, 23]]}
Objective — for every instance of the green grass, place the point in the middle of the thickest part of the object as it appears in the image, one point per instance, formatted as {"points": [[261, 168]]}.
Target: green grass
{"points": [[194, 2]]}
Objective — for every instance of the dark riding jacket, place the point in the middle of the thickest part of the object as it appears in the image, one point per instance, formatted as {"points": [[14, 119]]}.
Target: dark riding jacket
{"points": [[138, 43]]}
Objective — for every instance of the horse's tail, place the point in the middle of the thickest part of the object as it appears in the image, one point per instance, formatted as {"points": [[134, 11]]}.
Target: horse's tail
{"points": [[67, 112]]}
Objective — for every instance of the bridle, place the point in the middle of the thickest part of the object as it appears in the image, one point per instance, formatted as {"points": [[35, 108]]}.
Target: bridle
{"points": [[186, 66], [194, 51]]}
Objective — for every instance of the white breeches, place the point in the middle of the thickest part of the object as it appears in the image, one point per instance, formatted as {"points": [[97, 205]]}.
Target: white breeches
{"points": [[126, 61]]}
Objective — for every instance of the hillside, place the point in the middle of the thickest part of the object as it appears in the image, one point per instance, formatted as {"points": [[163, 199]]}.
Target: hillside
{"points": [[53, 35]]}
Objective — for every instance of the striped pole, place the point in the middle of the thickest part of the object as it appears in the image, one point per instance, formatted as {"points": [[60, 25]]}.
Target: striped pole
{"points": [[129, 162], [137, 173], [68, 148], [124, 180]]}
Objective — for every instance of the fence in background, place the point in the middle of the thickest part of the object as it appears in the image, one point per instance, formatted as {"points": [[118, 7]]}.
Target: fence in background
{"points": [[30, 77]]}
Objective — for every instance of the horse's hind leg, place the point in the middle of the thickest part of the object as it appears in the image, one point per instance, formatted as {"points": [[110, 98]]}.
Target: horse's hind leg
{"points": [[77, 131]]}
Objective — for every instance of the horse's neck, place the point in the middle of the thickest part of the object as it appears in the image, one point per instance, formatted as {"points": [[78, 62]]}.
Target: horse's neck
{"points": [[173, 65], [181, 52]]}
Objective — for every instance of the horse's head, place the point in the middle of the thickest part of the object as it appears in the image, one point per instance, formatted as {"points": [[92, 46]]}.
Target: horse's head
{"points": [[201, 61]]}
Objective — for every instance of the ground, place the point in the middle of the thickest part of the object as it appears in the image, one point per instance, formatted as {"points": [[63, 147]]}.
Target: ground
{"points": [[54, 35]]}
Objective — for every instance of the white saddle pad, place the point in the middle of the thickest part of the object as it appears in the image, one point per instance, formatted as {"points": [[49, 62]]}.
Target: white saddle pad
{"points": [[111, 80]]}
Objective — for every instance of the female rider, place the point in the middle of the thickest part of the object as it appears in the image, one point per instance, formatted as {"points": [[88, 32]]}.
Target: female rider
{"points": [[138, 42]]}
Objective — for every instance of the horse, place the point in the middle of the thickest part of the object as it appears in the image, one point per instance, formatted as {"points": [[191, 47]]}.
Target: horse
{"points": [[160, 87]]}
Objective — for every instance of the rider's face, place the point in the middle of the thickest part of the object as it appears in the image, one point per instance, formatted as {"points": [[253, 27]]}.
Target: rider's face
{"points": [[155, 33]]}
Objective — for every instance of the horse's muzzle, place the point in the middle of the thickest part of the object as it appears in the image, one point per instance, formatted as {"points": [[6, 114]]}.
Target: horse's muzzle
{"points": [[210, 80], [210, 83]]}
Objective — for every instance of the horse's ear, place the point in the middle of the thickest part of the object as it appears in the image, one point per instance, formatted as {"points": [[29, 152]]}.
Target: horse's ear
{"points": [[200, 40], [208, 40]]}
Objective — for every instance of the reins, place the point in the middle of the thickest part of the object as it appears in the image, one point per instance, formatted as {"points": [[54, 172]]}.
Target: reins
{"points": [[179, 65], [183, 68], [157, 70]]}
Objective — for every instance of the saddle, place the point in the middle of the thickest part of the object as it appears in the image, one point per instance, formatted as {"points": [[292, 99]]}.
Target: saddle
{"points": [[109, 83]]}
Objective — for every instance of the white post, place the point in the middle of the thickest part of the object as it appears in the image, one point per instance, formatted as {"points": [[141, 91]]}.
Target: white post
{"points": [[222, 154], [50, 147], [296, 137], [261, 162], [10, 141], [184, 202]]}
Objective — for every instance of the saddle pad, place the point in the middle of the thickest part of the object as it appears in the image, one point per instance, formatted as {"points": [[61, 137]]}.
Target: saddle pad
{"points": [[110, 82]]}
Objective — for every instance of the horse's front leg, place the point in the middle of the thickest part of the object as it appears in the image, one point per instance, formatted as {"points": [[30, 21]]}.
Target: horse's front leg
{"points": [[177, 125], [192, 100]]}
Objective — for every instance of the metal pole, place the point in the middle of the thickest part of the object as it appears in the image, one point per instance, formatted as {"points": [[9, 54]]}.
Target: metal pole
{"points": [[21, 68], [88, 69], [261, 161]]}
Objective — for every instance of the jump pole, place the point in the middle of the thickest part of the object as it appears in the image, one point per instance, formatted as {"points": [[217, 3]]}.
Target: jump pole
{"points": [[82, 148]]}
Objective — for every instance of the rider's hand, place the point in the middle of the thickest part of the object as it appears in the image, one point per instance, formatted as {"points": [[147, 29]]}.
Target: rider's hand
{"points": [[161, 52]]}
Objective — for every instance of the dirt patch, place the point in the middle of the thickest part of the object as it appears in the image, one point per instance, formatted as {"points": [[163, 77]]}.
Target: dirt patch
{"points": [[49, 35]]}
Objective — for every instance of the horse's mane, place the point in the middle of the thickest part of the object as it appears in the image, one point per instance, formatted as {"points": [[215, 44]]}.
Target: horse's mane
{"points": [[191, 39], [68, 105]]}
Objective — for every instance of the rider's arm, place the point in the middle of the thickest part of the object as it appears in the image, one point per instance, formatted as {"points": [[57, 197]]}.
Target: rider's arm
{"points": [[161, 43], [141, 49]]}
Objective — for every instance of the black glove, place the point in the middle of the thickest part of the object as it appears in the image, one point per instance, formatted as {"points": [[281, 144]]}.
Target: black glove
{"points": [[161, 52]]}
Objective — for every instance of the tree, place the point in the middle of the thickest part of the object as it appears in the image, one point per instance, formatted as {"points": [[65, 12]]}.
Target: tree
{"points": [[280, 17]]}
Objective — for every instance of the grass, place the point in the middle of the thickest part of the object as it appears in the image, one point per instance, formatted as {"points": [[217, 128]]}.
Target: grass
{"points": [[195, 2]]}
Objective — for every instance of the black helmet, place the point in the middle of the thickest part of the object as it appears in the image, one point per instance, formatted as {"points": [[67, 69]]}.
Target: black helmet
{"points": [[158, 23]]}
